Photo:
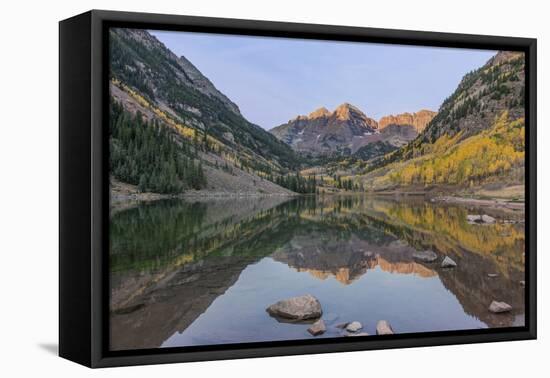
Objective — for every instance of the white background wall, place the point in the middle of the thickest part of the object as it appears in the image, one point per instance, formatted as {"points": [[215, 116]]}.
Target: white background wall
{"points": [[29, 186]]}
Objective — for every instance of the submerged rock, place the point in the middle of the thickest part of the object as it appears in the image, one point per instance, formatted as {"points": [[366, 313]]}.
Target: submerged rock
{"points": [[448, 263], [499, 307], [492, 275], [297, 308], [425, 256], [383, 328], [318, 328], [354, 327], [342, 325], [330, 317]]}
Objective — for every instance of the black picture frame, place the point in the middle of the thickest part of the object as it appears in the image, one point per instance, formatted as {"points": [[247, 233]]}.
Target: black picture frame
{"points": [[84, 187]]}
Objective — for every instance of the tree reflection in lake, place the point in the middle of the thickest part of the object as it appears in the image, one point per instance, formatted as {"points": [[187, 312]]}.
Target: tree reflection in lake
{"points": [[196, 273]]}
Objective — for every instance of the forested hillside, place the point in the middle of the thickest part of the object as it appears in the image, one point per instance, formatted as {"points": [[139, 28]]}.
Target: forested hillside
{"points": [[497, 153], [217, 148], [477, 137], [145, 154], [481, 96]]}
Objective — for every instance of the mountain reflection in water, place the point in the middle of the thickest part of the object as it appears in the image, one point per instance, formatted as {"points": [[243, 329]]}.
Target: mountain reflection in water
{"points": [[195, 273]]}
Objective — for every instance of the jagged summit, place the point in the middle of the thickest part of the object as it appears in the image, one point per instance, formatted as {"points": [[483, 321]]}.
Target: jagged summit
{"points": [[321, 112], [346, 111], [326, 132], [347, 129], [343, 111]]}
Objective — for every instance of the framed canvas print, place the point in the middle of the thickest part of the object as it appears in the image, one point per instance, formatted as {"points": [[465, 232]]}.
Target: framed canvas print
{"points": [[233, 188]]}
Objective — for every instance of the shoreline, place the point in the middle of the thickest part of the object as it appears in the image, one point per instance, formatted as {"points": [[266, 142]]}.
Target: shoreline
{"points": [[147, 197], [492, 202], [122, 194]]}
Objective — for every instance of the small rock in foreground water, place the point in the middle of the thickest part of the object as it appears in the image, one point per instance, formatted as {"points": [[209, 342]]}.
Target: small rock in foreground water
{"points": [[354, 327], [342, 325], [318, 328], [383, 328], [448, 263], [499, 307]]}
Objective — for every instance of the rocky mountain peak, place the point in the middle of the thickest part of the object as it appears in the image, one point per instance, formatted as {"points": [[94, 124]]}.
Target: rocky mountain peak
{"points": [[319, 113], [346, 111], [347, 129], [323, 132]]}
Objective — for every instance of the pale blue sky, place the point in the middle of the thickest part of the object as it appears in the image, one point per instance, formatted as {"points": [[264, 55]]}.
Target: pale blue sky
{"points": [[275, 79]]}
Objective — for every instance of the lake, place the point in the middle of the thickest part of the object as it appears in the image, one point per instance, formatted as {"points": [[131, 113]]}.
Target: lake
{"points": [[202, 272]]}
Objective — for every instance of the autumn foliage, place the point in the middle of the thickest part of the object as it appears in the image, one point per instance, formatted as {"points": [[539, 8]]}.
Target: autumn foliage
{"points": [[453, 161]]}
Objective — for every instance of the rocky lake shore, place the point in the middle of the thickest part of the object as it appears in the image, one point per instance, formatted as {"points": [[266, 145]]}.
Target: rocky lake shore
{"points": [[307, 309]]}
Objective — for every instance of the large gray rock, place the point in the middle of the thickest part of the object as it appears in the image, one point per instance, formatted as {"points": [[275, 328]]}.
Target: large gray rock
{"points": [[228, 137], [499, 307], [317, 328], [383, 328], [354, 327], [448, 263], [478, 219], [297, 308], [425, 256], [473, 218], [487, 219]]}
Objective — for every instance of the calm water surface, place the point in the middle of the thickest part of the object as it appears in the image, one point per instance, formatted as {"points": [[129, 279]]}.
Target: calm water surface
{"points": [[194, 273]]}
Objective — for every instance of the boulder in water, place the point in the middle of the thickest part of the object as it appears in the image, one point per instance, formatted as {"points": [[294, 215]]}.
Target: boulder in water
{"points": [[297, 308]]}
